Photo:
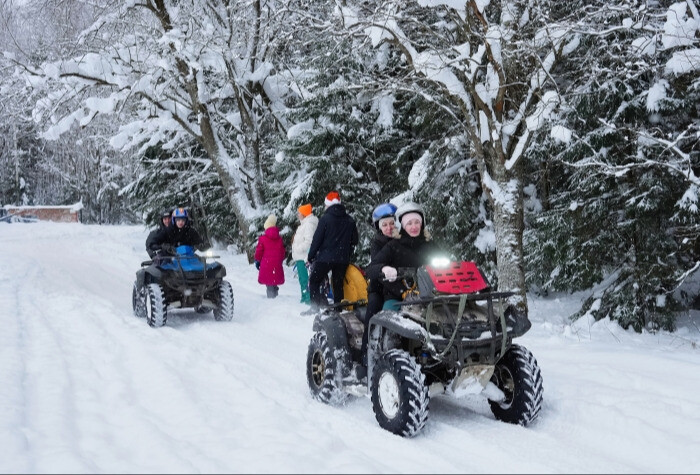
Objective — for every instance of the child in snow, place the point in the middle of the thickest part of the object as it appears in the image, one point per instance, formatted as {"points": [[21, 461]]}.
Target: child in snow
{"points": [[269, 256], [300, 247]]}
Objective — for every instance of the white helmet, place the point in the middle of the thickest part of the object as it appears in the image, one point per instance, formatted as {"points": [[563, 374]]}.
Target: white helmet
{"points": [[409, 207]]}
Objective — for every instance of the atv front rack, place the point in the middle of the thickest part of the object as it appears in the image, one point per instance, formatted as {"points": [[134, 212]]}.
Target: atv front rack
{"points": [[460, 324]]}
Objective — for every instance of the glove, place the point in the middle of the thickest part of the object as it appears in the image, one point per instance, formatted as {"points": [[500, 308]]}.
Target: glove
{"points": [[390, 273], [257, 265], [167, 248]]}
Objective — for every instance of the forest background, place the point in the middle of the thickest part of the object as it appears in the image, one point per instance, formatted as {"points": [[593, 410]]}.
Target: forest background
{"points": [[555, 143]]}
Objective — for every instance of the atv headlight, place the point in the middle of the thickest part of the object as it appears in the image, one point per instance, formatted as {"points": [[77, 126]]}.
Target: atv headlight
{"points": [[440, 262]]}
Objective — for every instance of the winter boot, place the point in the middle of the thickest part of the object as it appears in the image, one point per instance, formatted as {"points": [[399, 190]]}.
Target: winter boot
{"points": [[271, 291]]}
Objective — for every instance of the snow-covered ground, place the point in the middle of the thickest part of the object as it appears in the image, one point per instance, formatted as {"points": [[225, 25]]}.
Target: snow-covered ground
{"points": [[86, 387]]}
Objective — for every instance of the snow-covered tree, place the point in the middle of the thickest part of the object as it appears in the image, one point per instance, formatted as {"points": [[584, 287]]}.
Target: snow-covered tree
{"points": [[622, 186], [172, 71], [494, 60], [353, 132], [78, 166]]}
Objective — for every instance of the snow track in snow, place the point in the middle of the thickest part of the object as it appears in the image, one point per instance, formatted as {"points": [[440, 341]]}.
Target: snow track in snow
{"points": [[87, 387]]}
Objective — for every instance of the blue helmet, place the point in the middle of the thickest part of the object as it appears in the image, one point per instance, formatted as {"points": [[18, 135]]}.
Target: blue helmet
{"points": [[180, 213], [384, 210]]}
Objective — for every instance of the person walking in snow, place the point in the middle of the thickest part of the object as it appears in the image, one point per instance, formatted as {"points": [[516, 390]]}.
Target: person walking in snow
{"points": [[269, 256], [301, 242], [331, 249]]}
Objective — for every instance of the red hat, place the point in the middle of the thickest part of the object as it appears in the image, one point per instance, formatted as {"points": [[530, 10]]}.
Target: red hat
{"points": [[332, 198], [305, 209]]}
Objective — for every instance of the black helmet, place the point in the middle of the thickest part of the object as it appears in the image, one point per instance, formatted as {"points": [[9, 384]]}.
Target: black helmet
{"points": [[384, 210], [166, 213]]}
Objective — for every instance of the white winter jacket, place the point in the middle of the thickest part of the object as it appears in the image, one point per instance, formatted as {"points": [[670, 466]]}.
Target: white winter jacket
{"points": [[303, 237]]}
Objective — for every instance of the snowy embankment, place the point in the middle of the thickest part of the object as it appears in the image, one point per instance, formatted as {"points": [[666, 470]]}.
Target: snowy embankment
{"points": [[86, 387]]}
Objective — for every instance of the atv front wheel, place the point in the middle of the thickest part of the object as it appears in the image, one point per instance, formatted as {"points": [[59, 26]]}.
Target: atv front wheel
{"points": [[518, 375], [224, 311], [156, 311], [399, 395], [322, 371], [138, 301]]}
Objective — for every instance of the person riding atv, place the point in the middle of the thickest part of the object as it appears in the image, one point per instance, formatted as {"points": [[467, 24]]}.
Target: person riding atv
{"points": [[181, 233], [447, 332], [177, 277], [165, 221]]}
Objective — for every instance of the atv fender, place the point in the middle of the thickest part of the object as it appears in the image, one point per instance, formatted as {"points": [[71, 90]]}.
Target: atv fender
{"points": [[147, 275], [216, 271], [395, 323], [141, 278], [337, 336]]}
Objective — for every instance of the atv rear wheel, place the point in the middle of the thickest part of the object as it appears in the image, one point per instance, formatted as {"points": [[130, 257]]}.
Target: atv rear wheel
{"points": [[399, 395], [323, 372], [138, 301], [156, 311], [518, 375], [224, 311]]}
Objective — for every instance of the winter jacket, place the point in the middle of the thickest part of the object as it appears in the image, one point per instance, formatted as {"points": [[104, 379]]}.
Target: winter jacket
{"points": [[270, 253], [335, 237], [406, 251], [151, 247], [185, 236], [303, 237], [378, 242]]}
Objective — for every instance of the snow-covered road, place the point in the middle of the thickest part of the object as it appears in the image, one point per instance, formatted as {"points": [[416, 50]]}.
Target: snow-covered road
{"points": [[86, 387]]}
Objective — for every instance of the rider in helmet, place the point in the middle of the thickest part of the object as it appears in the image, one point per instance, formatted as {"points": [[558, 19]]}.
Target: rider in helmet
{"points": [[180, 233], [163, 223], [413, 248], [383, 218]]}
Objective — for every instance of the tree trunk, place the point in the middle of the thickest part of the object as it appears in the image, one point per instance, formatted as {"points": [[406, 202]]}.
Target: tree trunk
{"points": [[505, 191]]}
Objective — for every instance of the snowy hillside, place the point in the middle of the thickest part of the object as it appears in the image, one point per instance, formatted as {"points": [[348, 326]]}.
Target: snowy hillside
{"points": [[86, 387]]}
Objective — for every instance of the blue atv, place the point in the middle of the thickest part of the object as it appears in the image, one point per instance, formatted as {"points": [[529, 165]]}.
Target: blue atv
{"points": [[184, 280]]}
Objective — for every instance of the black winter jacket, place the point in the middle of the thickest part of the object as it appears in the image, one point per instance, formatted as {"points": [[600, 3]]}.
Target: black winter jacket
{"points": [[151, 248], [185, 236], [406, 251], [378, 242], [335, 237]]}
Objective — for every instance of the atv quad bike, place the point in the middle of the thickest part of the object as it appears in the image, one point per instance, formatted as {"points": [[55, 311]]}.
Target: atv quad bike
{"points": [[181, 281], [451, 335]]}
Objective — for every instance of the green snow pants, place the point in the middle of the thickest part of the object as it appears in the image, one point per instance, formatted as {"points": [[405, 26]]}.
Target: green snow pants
{"points": [[303, 275]]}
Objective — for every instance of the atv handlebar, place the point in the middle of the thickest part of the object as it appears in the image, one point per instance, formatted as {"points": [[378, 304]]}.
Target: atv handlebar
{"points": [[163, 257], [402, 273]]}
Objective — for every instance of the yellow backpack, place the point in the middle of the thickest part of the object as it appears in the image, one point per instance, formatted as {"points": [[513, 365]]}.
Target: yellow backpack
{"points": [[354, 284]]}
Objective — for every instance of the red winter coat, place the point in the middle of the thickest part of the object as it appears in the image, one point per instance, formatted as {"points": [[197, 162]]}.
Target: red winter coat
{"points": [[270, 252]]}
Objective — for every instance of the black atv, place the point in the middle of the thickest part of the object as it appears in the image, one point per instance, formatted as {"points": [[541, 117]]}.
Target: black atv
{"points": [[451, 335], [181, 281]]}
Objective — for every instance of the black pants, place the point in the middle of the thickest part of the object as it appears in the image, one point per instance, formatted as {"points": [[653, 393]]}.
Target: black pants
{"points": [[319, 270], [375, 301]]}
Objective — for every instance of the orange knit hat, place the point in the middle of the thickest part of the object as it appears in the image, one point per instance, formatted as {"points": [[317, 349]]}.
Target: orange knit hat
{"points": [[305, 209]]}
